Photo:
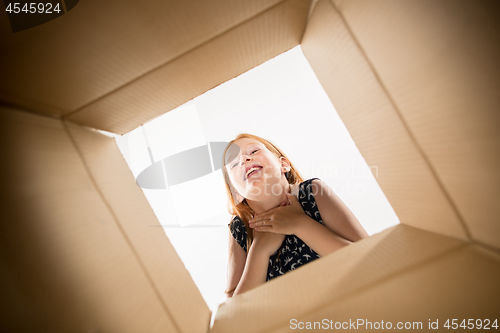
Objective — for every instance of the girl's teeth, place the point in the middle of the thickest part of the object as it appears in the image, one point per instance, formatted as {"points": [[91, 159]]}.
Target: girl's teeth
{"points": [[252, 171]]}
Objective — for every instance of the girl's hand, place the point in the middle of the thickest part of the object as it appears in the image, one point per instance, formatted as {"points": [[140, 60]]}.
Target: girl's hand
{"points": [[283, 220], [266, 242]]}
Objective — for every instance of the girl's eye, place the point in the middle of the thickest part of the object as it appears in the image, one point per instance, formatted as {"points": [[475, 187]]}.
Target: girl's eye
{"points": [[235, 164], [254, 151]]}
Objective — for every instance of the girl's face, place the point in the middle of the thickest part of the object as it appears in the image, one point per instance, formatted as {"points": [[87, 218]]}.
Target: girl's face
{"points": [[254, 171]]}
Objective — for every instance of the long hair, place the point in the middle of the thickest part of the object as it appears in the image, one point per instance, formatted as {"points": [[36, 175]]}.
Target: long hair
{"points": [[242, 209]]}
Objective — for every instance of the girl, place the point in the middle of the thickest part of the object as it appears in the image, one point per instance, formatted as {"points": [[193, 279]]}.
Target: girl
{"points": [[280, 221]]}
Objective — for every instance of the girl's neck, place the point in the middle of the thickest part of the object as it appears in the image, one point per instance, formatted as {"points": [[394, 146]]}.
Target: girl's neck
{"points": [[269, 202]]}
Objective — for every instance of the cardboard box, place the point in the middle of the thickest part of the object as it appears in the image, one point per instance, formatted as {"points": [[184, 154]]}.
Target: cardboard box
{"points": [[415, 82]]}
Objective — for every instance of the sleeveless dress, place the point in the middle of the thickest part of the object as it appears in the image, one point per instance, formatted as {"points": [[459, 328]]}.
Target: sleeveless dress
{"points": [[293, 252]]}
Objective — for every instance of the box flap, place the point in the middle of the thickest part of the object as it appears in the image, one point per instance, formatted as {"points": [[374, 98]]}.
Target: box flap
{"points": [[332, 279], [372, 118], [438, 62], [141, 229], [98, 47], [116, 65], [452, 289], [66, 261], [444, 77]]}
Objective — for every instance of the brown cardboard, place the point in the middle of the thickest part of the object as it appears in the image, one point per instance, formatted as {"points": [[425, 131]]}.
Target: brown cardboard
{"points": [[415, 82], [441, 70], [347, 272], [68, 263], [373, 121], [99, 47], [140, 228], [461, 284], [262, 37], [109, 76]]}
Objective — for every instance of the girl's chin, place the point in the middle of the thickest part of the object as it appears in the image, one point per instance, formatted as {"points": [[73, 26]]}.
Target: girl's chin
{"points": [[252, 190], [254, 182]]}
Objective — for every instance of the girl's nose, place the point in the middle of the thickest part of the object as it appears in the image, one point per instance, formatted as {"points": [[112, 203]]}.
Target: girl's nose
{"points": [[245, 158]]}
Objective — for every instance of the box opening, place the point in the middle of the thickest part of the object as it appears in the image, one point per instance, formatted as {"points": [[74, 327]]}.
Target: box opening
{"points": [[280, 100]]}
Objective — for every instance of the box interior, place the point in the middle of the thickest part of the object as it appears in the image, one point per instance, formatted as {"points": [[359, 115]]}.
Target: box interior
{"points": [[416, 84]]}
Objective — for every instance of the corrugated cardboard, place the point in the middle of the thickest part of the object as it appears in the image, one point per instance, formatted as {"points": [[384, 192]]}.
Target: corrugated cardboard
{"points": [[140, 228], [461, 284], [67, 262], [373, 121], [441, 71], [125, 63], [350, 271], [199, 69], [101, 46], [415, 82]]}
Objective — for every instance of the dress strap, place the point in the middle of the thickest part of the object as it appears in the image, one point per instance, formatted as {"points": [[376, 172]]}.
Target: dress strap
{"points": [[307, 200], [239, 232]]}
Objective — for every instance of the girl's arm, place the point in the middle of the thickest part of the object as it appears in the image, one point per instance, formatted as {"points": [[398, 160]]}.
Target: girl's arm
{"points": [[319, 238], [235, 265], [255, 271], [335, 214], [341, 226]]}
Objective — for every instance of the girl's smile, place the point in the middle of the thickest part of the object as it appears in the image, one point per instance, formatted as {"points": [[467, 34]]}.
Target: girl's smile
{"points": [[252, 171]]}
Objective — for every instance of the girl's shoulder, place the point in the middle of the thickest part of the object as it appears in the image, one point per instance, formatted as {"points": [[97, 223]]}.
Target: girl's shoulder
{"points": [[239, 232], [306, 197], [302, 188], [236, 221]]}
